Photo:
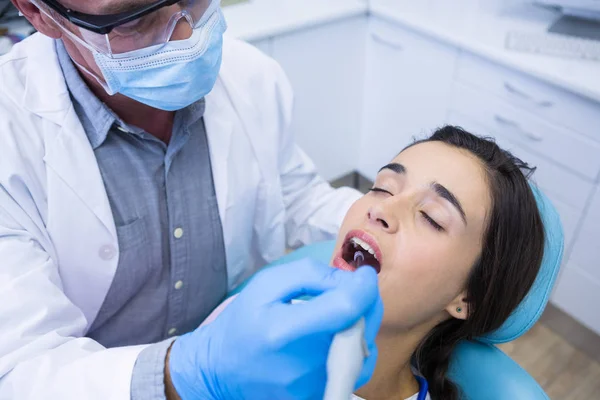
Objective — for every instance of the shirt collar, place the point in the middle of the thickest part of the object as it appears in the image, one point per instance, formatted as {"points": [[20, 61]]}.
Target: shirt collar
{"points": [[193, 113], [95, 116]]}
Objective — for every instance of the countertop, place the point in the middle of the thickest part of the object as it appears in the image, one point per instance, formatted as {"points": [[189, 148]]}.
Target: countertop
{"points": [[260, 19], [484, 34]]}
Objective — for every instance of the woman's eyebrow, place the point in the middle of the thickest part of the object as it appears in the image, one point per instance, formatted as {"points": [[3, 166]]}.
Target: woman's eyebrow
{"points": [[397, 168], [450, 197]]}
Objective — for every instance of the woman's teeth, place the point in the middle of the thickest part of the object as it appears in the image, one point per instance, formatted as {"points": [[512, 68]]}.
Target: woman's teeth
{"points": [[364, 245]]}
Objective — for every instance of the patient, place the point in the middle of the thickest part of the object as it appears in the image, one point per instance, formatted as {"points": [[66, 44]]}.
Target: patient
{"points": [[454, 231]]}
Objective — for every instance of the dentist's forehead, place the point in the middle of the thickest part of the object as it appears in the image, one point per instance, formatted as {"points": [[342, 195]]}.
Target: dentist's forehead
{"points": [[100, 7]]}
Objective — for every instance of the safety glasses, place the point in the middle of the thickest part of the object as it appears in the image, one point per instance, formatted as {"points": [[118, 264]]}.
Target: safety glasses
{"points": [[126, 30]]}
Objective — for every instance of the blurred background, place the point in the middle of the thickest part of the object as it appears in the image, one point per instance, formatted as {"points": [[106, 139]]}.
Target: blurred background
{"points": [[370, 76]]}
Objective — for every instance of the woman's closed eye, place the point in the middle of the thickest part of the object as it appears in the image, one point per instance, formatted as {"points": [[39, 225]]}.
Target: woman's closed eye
{"points": [[432, 222], [426, 216], [380, 190]]}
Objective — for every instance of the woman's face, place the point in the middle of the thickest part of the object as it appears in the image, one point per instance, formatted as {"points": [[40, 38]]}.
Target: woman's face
{"points": [[424, 221]]}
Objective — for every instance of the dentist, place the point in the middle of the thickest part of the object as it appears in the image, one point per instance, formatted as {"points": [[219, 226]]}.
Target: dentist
{"points": [[146, 169]]}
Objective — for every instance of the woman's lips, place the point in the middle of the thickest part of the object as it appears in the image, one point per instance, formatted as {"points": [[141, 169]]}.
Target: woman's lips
{"points": [[340, 263]]}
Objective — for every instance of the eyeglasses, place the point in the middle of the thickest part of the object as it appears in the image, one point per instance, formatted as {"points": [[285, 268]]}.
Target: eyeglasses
{"points": [[121, 32]]}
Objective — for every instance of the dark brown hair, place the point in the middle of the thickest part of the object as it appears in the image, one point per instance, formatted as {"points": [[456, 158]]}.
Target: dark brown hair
{"points": [[510, 259]]}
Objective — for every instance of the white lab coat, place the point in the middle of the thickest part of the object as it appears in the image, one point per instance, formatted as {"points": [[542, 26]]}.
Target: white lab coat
{"points": [[58, 244]]}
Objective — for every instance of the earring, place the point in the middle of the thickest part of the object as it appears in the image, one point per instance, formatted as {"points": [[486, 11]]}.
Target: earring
{"points": [[458, 309]]}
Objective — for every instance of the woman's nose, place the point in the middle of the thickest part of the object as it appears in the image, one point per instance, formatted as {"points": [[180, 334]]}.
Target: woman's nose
{"points": [[379, 215]]}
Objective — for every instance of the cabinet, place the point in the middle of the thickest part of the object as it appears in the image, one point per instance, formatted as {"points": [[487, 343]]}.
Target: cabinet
{"points": [[576, 293], [562, 146], [326, 68], [408, 83], [578, 288], [586, 253], [554, 105]]}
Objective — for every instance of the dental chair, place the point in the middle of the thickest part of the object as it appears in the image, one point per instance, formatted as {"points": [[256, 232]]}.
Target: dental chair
{"points": [[482, 371]]}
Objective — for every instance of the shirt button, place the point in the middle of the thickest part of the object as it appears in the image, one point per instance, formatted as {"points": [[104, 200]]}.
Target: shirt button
{"points": [[119, 127], [178, 233], [178, 285], [107, 252], [172, 331]]}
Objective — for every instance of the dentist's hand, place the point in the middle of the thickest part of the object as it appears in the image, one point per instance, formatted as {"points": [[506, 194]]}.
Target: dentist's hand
{"points": [[263, 347]]}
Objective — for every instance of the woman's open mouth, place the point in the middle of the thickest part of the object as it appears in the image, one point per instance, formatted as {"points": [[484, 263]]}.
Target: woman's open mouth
{"points": [[359, 249]]}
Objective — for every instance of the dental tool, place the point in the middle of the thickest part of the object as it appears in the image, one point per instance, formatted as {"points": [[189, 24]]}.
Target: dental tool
{"points": [[345, 362], [359, 258], [346, 356]]}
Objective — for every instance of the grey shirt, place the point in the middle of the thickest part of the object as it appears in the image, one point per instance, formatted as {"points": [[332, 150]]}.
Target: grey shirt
{"points": [[171, 272]]}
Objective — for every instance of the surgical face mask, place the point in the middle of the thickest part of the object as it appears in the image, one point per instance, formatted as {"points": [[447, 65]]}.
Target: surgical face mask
{"points": [[176, 75], [168, 76]]}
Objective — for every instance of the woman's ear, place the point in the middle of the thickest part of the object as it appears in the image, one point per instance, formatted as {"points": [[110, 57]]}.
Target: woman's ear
{"points": [[40, 21], [458, 308]]}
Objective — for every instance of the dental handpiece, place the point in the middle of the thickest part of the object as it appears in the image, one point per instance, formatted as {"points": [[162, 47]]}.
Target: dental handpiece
{"points": [[346, 356], [359, 258], [345, 362]]}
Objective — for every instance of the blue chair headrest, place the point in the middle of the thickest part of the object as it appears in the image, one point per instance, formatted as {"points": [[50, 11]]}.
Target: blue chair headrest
{"points": [[531, 308]]}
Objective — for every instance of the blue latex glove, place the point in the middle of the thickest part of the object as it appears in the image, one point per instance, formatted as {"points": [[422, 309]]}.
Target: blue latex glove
{"points": [[263, 347]]}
